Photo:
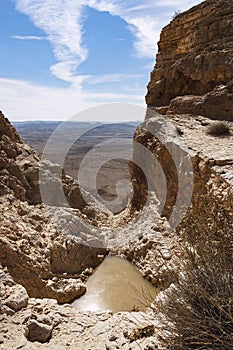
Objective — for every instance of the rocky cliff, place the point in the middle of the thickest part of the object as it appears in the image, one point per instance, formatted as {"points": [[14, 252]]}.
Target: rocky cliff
{"points": [[34, 248], [194, 67], [181, 176], [191, 85], [48, 250]]}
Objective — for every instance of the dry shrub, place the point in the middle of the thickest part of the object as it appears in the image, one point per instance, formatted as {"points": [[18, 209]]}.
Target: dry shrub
{"points": [[176, 14], [199, 309], [218, 129]]}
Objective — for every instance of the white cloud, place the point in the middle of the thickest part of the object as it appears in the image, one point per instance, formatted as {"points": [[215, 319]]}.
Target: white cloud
{"points": [[28, 37], [20, 100], [111, 78], [63, 20], [146, 19]]}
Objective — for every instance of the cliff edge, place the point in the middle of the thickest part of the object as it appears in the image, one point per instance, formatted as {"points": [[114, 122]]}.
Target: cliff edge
{"points": [[44, 263], [194, 67]]}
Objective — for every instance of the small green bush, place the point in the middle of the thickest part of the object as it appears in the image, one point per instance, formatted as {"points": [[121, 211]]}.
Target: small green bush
{"points": [[218, 129]]}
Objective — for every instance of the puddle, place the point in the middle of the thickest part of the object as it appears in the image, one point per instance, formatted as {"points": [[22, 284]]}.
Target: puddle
{"points": [[116, 285]]}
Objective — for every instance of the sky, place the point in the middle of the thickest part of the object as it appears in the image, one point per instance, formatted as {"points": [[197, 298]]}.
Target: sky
{"points": [[60, 57]]}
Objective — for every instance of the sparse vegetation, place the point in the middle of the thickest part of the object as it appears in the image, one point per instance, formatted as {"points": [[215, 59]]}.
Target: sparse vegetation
{"points": [[199, 309], [218, 129], [176, 13]]}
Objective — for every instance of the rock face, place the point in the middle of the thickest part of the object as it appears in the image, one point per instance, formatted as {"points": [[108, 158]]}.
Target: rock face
{"points": [[194, 67], [44, 262], [191, 84], [45, 259], [195, 165]]}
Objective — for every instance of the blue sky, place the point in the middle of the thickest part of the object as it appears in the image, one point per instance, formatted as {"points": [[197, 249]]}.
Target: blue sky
{"points": [[59, 57]]}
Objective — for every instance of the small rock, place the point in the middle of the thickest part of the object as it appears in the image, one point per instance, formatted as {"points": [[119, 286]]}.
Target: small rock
{"points": [[39, 228], [28, 315], [112, 338], [36, 331], [46, 319], [21, 341], [166, 254], [5, 279], [22, 211], [151, 347], [18, 299], [7, 310]]}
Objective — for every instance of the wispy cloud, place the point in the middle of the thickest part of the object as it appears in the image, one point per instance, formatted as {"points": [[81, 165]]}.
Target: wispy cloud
{"points": [[145, 19], [21, 100], [111, 78], [28, 37], [63, 20]]}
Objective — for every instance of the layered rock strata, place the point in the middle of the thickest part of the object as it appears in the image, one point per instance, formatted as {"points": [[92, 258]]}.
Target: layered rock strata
{"points": [[45, 263], [194, 67]]}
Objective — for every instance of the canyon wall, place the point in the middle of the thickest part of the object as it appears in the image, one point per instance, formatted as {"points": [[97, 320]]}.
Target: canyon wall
{"points": [[41, 257], [194, 66], [36, 250], [189, 94]]}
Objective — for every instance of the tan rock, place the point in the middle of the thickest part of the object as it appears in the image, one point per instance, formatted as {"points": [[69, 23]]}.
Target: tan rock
{"points": [[44, 250], [18, 298], [194, 61]]}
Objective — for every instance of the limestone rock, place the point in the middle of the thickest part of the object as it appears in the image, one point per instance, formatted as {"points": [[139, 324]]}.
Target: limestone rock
{"points": [[33, 245], [18, 298], [46, 252], [25, 174], [65, 290], [194, 60], [13, 296]]}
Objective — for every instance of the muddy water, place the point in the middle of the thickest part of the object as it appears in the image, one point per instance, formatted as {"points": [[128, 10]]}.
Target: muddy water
{"points": [[117, 286]]}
